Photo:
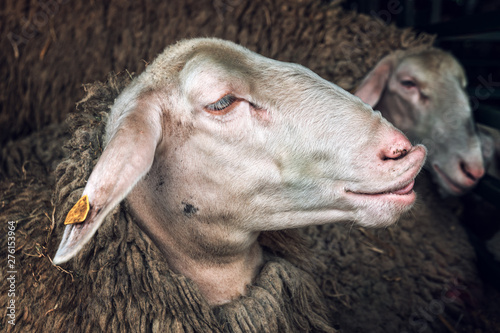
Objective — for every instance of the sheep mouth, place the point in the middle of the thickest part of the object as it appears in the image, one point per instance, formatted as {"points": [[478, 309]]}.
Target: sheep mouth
{"points": [[452, 185], [406, 189]]}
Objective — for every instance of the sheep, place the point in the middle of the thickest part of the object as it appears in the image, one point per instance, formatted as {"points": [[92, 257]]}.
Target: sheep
{"points": [[376, 280], [423, 94], [120, 282], [214, 144]]}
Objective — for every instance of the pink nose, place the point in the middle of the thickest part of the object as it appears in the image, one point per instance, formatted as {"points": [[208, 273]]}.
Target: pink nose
{"points": [[397, 146], [473, 172]]}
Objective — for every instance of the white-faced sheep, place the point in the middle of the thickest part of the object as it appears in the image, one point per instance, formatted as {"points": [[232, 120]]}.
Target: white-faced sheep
{"points": [[423, 94], [213, 144]]}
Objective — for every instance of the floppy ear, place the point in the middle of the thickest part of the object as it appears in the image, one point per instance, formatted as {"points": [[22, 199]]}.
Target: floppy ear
{"points": [[373, 86], [126, 159]]}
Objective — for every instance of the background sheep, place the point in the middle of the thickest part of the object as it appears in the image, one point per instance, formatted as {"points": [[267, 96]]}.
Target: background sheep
{"points": [[423, 94], [360, 293]]}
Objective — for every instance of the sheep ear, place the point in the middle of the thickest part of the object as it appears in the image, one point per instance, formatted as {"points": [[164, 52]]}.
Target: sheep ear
{"points": [[125, 160], [373, 86]]}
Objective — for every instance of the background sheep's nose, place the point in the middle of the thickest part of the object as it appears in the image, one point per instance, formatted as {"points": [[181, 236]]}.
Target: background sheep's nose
{"points": [[394, 147], [473, 172]]}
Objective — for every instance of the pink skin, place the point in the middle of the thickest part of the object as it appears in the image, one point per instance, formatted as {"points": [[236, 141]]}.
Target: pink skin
{"points": [[401, 191]]}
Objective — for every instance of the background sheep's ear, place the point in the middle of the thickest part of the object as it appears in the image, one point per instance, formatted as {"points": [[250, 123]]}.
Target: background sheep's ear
{"points": [[372, 87], [125, 160]]}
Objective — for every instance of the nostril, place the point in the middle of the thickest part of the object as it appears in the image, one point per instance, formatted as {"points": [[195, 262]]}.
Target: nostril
{"points": [[471, 172], [398, 153], [394, 153], [395, 146]]}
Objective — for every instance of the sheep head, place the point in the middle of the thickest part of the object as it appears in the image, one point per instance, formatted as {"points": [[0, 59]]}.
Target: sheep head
{"points": [[423, 94], [213, 144]]}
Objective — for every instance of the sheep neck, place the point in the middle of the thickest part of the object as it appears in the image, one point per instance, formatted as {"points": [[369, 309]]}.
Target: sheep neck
{"points": [[221, 262]]}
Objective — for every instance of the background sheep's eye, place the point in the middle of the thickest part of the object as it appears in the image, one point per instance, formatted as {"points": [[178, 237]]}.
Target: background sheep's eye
{"points": [[222, 103], [408, 83]]}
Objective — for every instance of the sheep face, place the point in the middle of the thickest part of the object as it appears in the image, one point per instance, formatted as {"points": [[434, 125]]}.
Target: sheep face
{"points": [[214, 143], [423, 95]]}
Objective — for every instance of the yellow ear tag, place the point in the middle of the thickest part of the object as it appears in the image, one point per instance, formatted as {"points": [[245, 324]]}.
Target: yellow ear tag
{"points": [[79, 212]]}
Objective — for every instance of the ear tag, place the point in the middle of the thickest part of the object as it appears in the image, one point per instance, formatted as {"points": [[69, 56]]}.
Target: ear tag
{"points": [[79, 212]]}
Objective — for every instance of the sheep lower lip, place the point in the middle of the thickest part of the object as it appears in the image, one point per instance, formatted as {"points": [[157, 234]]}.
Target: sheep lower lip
{"points": [[405, 190]]}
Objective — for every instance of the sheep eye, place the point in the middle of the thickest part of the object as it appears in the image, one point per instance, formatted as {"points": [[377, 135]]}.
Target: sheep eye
{"points": [[408, 83], [222, 103]]}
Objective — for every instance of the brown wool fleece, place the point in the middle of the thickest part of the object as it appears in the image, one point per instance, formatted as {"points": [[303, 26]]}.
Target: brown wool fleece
{"points": [[44, 65]]}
